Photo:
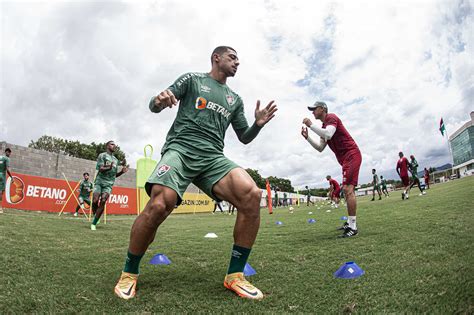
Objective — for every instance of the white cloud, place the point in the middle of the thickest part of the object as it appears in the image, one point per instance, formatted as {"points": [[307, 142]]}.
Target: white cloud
{"points": [[86, 71]]}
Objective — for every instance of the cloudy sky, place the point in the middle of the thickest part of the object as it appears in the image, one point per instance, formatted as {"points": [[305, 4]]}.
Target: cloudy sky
{"points": [[85, 70]]}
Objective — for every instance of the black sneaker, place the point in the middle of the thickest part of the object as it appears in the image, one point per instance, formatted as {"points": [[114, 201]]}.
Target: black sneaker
{"points": [[348, 232], [343, 227], [372, 199], [403, 196]]}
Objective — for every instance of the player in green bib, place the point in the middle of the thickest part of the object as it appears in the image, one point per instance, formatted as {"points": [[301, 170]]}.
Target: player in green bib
{"points": [[383, 184], [376, 183], [107, 167], [85, 189], [414, 175], [193, 152], [4, 169]]}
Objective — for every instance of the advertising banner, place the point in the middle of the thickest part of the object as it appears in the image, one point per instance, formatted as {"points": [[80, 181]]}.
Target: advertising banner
{"points": [[27, 192]]}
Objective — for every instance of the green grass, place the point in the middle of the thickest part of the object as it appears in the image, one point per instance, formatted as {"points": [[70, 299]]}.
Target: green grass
{"points": [[417, 255]]}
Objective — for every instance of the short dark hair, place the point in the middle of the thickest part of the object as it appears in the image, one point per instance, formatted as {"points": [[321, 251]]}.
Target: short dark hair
{"points": [[8, 150], [107, 143], [373, 170], [85, 174], [220, 50]]}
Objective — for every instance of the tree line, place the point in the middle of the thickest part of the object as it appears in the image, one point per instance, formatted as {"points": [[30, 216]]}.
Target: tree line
{"points": [[73, 148]]}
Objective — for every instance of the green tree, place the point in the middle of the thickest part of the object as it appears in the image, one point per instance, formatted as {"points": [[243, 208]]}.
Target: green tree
{"points": [[74, 148], [282, 183], [257, 178]]}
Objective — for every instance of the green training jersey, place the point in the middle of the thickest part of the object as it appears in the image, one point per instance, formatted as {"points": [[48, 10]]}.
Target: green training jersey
{"points": [[376, 179], [206, 109], [85, 189], [107, 177], [4, 163], [384, 183], [414, 168]]}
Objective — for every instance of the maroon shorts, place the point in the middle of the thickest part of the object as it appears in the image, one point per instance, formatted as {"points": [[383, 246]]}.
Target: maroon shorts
{"points": [[336, 193], [405, 180], [350, 168]]}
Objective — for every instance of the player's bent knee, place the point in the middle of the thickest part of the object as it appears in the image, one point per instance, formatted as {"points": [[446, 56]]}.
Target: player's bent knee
{"points": [[251, 196], [157, 211]]}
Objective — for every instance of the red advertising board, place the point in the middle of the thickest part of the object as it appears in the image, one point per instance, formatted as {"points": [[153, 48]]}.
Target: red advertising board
{"points": [[36, 193]]}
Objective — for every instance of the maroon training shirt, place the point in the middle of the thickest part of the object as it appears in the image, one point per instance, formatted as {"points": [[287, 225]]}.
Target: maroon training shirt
{"points": [[334, 184], [341, 142], [402, 165]]}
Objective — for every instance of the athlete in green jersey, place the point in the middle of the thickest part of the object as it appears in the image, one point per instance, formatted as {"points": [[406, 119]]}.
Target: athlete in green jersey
{"points": [[107, 165], [383, 183], [376, 187], [85, 189], [193, 152], [4, 169], [414, 175]]}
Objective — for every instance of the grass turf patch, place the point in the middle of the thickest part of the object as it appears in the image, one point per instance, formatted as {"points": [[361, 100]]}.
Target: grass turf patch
{"points": [[417, 255]]}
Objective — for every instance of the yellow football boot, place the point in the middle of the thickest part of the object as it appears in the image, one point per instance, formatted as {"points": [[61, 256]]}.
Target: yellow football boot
{"points": [[236, 282], [126, 286]]}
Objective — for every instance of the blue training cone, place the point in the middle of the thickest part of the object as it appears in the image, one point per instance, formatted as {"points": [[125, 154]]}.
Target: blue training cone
{"points": [[279, 223], [311, 220], [160, 259], [344, 218], [248, 270], [349, 270]]}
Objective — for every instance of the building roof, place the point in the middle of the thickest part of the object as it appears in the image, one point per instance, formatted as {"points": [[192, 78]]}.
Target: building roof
{"points": [[464, 127]]}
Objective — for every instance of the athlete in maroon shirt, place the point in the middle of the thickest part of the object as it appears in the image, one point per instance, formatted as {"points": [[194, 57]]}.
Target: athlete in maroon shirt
{"points": [[402, 170], [335, 135], [334, 190], [427, 178]]}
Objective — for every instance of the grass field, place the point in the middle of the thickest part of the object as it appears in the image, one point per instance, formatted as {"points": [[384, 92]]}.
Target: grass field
{"points": [[417, 255]]}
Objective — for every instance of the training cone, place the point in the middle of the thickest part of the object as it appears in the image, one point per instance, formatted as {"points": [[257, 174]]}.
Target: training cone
{"points": [[343, 218], [248, 270], [279, 223], [160, 259], [349, 270], [311, 220], [210, 235], [310, 213], [328, 210]]}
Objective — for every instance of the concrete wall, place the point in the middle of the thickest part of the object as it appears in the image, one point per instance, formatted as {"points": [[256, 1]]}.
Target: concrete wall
{"points": [[47, 164]]}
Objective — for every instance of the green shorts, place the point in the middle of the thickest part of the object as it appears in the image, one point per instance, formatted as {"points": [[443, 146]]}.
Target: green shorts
{"points": [[376, 187], [3, 181], [100, 187], [177, 170]]}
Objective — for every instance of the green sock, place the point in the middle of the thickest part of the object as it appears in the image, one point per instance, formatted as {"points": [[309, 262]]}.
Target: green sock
{"points": [[96, 219], [132, 263], [238, 259]]}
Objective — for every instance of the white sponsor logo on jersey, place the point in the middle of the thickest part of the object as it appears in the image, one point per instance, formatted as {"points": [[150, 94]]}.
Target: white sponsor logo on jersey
{"points": [[205, 89]]}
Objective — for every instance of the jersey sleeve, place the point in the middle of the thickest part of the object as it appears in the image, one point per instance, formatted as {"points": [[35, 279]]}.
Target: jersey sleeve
{"points": [[331, 120], [181, 85], [7, 163], [100, 161], [238, 119]]}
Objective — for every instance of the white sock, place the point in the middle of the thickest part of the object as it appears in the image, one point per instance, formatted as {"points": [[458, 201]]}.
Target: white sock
{"points": [[352, 222]]}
